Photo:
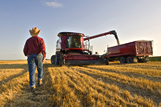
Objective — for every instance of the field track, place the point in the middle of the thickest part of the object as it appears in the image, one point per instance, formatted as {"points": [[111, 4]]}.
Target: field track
{"points": [[114, 85]]}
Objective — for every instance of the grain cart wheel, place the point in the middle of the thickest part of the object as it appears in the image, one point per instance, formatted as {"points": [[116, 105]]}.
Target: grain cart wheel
{"points": [[129, 59], [53, 59], [146, 59], [122, 60], [107, 61]]}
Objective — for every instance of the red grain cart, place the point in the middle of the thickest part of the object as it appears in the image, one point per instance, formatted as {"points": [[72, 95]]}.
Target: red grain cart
{"points": [[136, 51]]}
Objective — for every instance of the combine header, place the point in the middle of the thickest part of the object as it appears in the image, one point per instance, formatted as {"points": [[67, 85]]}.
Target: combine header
{"points": [[71, 49]]}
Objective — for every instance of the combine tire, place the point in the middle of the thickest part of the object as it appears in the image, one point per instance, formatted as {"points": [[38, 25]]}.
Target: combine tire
{"points": [[57, 58], [107, 62], [53, 59], [122, 60], [61, 59]]}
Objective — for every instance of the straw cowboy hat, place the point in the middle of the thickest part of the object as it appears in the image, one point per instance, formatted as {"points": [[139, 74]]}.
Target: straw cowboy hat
{"points": [[34, 31]]}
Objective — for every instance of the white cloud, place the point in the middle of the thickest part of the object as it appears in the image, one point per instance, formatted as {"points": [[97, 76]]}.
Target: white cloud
{"points": [[53, 4]]}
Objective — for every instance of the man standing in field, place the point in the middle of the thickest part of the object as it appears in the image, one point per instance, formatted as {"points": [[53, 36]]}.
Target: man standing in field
{"points": [[35, 50]]}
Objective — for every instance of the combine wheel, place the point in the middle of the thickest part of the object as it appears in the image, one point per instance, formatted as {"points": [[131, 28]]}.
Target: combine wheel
{"points": [[107, 61], [53, 59], [122, 60], [57, 58], [129, 59], [61, 59]]}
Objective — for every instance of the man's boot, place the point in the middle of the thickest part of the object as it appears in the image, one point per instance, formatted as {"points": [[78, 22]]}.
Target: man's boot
{"points": [[33, 89], [39, 82]]}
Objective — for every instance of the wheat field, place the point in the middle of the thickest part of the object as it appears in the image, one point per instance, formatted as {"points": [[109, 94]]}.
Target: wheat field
{"points": [[114, 85]]}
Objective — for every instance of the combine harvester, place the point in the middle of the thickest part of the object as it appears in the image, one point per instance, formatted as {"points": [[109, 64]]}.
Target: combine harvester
{"points": [[74, 49], [71, 49]]}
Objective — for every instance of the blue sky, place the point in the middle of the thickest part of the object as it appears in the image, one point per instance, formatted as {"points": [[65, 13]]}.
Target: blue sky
{"points": [[131, 19]]}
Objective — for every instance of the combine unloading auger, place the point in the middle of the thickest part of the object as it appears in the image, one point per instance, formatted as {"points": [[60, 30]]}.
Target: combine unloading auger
{"points": [[104, 34]]}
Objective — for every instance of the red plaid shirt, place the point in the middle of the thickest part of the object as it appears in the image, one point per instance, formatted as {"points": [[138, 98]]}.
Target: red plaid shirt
{"points": [[34, 45]]}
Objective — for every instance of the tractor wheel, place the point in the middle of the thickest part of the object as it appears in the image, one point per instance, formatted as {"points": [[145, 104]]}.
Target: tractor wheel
{"points": [[53, 59], [122, 60], [129, 59], [107, 61]]}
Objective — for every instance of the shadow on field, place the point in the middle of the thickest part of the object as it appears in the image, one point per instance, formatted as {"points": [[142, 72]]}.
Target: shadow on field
{"points": [[50, 65], [123, 86], [22, 66], [19, 66], [13, 66], [131, 74], [12, 77], [16, 99]]}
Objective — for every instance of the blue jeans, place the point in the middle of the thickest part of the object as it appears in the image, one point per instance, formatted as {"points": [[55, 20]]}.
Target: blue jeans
{"points": [[35, 60]]}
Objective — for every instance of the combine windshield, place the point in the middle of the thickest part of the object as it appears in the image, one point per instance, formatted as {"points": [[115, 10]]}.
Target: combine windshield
{"points": [[74, 42]]}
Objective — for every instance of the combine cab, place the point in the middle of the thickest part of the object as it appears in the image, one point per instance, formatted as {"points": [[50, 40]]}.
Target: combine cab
{"points": [[71, 49]]}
